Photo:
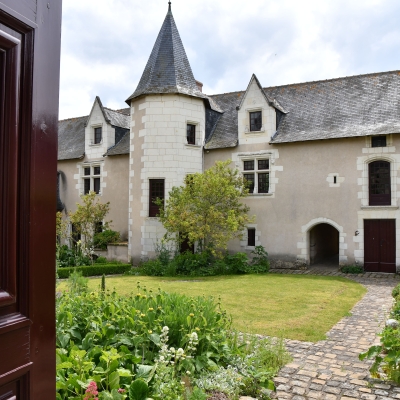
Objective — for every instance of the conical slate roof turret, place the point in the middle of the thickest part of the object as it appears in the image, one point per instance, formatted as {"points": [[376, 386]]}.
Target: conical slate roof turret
{"points": [[168, 69]]}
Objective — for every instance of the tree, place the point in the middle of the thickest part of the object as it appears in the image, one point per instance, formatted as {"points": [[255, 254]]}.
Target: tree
{"points": [[207, 210], [88, 217]]}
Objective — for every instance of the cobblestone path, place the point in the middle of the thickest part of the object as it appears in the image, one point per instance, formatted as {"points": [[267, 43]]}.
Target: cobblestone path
{"points": [[330, 369]]}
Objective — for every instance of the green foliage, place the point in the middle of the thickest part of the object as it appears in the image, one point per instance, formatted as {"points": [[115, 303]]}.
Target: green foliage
{"points": [[352, 269], [77, 284], [396, 292], [386, 356], [206, 263], [71, 257], [102, 239], [87, 216], [103, 283], [101, 260], [95, 270], [259, 262], [110, 339], [207, 210]]}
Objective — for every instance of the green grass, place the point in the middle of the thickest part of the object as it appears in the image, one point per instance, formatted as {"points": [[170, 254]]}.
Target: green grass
{"points": [[293, 306]]}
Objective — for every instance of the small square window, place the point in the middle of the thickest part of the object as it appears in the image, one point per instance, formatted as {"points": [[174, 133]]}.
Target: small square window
{"points": [[191, 133], [255, 121], [378, 141], [251, 237], [97, 135], [96, 170]]}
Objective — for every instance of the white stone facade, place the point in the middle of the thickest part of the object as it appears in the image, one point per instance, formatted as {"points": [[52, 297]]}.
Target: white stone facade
{"points": [[159, 147]]}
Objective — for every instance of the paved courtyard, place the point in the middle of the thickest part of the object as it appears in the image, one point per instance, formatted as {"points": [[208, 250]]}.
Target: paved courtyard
{"points": [[330, 369]]}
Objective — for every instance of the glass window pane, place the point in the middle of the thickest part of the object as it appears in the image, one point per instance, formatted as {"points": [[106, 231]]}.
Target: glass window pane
{"points": [[263, 164], [248, 165], [96, 185], [86, 171], [96, 170], [86, 186], [191, 133], [263, 183], [250, 182], [251, 237], [255, 121]]}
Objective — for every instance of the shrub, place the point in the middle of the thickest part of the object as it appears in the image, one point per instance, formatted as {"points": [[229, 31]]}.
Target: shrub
{"points": [[259, 262], [95, 270], [352, 269], [101, 260], [77, 284], [237, 263], [386, 356], [71, 257], [102, 239], [396, 292]]}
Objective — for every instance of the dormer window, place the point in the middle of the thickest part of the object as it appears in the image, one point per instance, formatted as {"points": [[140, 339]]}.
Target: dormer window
{"points": [[255, 121], [191, 134], [97, 135]]}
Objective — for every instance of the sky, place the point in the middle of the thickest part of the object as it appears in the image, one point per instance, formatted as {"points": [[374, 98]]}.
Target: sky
{"points": [[105, 44]]}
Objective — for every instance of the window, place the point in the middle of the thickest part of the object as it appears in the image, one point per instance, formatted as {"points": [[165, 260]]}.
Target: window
{"points": [[379, 183], [97, 135], [251, 236], [378, 141], [156, 192], [191, 133], [256, 173], [91, 179], [255, 121]]}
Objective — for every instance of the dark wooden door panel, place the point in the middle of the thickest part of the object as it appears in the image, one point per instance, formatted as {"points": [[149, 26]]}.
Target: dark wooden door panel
{"points": [[387, 245], [29, 81], [380, 245], [371, 245]]}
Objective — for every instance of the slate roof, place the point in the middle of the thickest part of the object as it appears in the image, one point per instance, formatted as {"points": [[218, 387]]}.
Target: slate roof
{"points": [[122, 147], [71, 138], [352, 106], [71, 134], [358, 105], [116, 118], [168, 69]]}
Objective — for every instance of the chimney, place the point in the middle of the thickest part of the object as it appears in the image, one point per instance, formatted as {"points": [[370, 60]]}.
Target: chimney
{"points": [[199, 85]]}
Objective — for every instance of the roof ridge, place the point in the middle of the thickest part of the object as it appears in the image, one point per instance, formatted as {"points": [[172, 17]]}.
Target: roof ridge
{"points": [[334, 79], [117, 111], [67, 119]]}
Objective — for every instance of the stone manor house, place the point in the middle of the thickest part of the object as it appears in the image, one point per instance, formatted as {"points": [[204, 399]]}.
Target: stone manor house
{"points": [[322, 158]]}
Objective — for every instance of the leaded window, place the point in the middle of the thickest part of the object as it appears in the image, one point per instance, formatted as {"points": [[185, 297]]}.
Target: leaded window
{"points": [[156, 192], [191, 133], [256, 173], [255, 121], [91, 179], [97, 135], [378, 141], [379, 183]]}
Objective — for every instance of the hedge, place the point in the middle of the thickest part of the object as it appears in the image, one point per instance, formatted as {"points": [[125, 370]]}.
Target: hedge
{"points": [[95, 270]]}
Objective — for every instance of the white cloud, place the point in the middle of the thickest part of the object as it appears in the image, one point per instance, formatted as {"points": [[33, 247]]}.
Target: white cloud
{"points": [[106, 43]]}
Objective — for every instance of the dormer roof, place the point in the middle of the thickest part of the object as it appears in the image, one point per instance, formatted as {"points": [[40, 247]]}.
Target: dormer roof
{"points": [[168, 69]]}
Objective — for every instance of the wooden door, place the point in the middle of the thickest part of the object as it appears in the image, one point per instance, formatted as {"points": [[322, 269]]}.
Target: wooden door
{"points": [[29, 81], [380, 245]]}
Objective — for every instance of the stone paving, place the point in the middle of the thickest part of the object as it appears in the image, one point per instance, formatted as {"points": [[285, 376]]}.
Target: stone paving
{"points": [[330, 369]]}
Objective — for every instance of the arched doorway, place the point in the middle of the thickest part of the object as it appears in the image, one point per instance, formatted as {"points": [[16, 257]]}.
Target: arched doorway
{"points": [[324, 245]]}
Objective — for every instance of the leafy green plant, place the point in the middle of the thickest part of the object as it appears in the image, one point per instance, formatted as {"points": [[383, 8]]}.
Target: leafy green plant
{"points": [[237, 262], [77, 284], [102, 239], [259, 262], [101, 260], [95, 270], [352, 269], [396, 292]]}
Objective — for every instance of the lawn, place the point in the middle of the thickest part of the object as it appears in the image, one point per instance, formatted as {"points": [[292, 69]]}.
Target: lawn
{"points": [[298, 307]]}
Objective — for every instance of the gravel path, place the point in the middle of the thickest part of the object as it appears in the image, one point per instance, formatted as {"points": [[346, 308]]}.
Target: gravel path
{"points": [[330, 369]]}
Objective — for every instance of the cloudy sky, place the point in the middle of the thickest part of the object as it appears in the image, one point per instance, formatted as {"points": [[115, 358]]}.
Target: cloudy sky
{"points": [[106, 43]]}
